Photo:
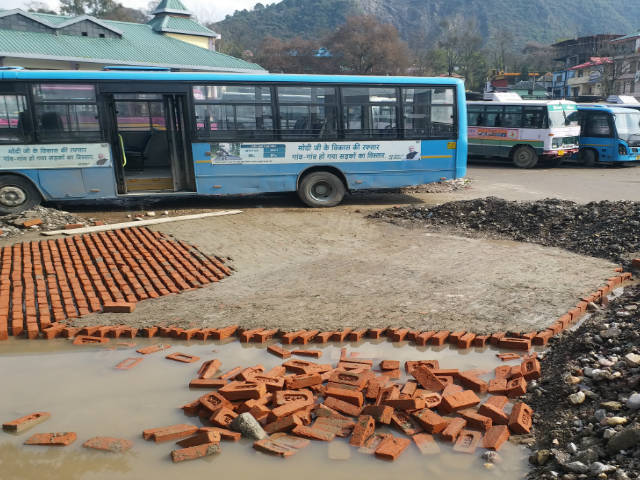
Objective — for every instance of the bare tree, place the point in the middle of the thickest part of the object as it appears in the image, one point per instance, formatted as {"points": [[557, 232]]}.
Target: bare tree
{"points": [[462, 46], [365, 46]]}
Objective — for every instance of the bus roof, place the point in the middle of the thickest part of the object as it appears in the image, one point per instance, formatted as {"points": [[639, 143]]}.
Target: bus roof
{"points": [[542, 103], [217, 77], [616, 108]]}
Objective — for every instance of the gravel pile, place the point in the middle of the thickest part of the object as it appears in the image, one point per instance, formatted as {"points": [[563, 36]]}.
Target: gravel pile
{"points": [[587, 403], [609, 230], [52, 219]]}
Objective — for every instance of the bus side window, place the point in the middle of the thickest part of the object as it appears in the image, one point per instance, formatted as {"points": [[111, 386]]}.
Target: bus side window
{"points": [[308, 112], [66, 112], [15, 125], [512, 117], [370, 112], [493, 116], [533, 117], [597, 125]]}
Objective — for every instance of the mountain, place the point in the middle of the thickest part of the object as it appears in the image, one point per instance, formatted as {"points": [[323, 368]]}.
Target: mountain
{"points": [[419, 21]]}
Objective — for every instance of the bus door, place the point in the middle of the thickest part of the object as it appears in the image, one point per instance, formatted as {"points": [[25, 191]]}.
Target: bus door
{"points": [[597, 139], [150, 141]]}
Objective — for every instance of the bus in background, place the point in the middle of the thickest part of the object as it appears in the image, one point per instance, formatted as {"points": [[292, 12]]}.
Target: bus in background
{"points": [[609, 134], [84, 135], [523, 131]]}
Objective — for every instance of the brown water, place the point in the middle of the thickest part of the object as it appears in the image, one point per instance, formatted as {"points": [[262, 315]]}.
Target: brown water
{"points": [[84, 393]]}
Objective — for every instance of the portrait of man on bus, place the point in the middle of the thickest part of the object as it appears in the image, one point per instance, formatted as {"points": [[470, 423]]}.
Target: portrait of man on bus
{"points": [[412, 155]]}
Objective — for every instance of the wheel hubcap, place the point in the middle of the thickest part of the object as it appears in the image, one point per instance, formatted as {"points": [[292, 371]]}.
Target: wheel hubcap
{"points": [[321, 191], [12, 196]]}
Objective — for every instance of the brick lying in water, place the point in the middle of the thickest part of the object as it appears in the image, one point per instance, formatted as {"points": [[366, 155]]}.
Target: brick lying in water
{"points": [[23, 423], [54, 439], [115, 445], [193, 453]]}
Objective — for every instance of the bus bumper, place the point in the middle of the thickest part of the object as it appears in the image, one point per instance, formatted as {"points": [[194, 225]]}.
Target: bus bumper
{"points": [[563, 152]]}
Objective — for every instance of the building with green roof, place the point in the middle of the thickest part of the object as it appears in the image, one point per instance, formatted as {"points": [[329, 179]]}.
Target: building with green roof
{"points": [[171, 39]]}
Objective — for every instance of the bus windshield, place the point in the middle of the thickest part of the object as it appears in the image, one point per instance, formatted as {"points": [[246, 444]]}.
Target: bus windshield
{"points": [[561, 116], [628, 126]]}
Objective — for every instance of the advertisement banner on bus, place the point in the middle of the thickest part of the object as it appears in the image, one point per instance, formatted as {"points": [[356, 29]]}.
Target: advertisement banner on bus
{"points": [[73, 155], [312, 152], [493, 133]]}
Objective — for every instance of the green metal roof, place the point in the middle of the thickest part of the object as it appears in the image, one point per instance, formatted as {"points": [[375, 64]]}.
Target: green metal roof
{"points": [[139, 45], [166, 23], [174, 6]]}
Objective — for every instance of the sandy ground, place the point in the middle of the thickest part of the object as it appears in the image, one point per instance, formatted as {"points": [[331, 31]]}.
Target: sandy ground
{"points": [[303, 268]]}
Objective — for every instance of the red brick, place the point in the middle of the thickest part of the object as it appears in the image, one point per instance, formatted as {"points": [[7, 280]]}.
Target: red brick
{"points": [[496, 414], [342, 406], [439, 338], [380, 413], [398, 335], [213, 401], [305, 337], [431, 364], [497, 386], [87, 340], [342, 427], [303, 367], [264, 335], [235, 391], [430, 421], [389, 365], [128, 363], [391, 447], [288, 409], [521, 419], [466, 340], [454, 427], [193, 453], [458, 401], [531, 369], [475, 420], [118, 307], [494, 339], [108, 444], [516, 387], [31, 223], [224, 433], [351, 396], [313, 433], [480, 340], [308, 353], [58, 439], [272, 447], [356, 335], [495, 437], [340, 335], [153, 348], [472, 382], [427, 379], [283, 424], [272, 383], [426, 444], [364, 428], [542, 338], [375, 332], [422, 339], [409, 388], [468, 441], [24, 423], [432, 400], [288, 396], [406, 403], [302, 381], [200, 438], [173, 432], [359, 380], [209, 368], [182, 357], [454, 337], [209, 383], [223, 417]]}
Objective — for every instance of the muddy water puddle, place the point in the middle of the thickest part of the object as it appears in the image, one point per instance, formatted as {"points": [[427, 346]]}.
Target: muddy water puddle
{"points": [[86, 394]]}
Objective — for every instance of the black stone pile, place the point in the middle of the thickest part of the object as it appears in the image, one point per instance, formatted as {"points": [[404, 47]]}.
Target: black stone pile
{"points": [[609, 230], [587, 403]]}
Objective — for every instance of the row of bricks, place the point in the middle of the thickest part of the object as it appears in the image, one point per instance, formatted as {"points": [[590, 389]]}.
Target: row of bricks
{"points": [[87, 273]]}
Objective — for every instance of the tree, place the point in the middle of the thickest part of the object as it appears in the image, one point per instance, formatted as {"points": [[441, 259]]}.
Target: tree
{"points": [[73, 7], [125, 14], [462, 46], [107, 9], [292, 56], [365, 46]]}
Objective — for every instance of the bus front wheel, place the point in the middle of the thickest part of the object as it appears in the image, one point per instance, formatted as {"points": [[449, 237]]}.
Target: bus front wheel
{"points": [[588, 157], [17, 194], [321, 189], [525, 157]]}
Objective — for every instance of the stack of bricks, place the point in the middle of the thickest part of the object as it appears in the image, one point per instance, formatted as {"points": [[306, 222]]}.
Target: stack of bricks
{"points": [[44, 283], [319, 402]]}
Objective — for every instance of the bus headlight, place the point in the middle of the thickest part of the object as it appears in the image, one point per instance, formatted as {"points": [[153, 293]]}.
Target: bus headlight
{"points": [[622, 150], [556, 142]]}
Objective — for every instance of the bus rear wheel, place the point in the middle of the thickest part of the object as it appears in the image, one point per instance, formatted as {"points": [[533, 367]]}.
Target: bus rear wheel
{"points": [[321, 189], [17, 194], [525, 157]]}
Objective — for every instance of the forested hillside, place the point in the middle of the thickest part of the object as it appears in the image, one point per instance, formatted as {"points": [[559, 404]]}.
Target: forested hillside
{"points": [[543, 21]]}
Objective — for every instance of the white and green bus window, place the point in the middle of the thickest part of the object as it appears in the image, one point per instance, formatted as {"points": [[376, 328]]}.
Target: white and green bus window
{"points": [[475, 115], [534, 117], [512, 117], [493, 116]]}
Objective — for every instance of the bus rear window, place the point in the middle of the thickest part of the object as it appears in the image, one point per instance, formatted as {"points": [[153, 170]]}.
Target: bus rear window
{"points": [[13, 111]]}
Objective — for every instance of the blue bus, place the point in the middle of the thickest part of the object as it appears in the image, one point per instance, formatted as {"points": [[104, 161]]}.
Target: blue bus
{"points": [[608, 134], [83, 135]]}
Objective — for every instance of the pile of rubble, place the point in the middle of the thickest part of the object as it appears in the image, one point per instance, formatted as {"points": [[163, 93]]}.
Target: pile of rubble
{"points": [[588, 401], [40, 219], [603, 229]]}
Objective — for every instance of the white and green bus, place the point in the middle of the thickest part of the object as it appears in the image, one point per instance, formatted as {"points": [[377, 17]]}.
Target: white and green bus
{"points": [[523, 131]]}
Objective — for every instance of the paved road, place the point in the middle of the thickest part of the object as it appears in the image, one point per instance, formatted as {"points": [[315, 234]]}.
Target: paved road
{"points": [[579, 184]]}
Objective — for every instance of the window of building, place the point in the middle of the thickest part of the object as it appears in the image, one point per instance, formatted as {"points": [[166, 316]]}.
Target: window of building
{"points": [[308, 112], [233, 112], [13, 118], [66, 112]]}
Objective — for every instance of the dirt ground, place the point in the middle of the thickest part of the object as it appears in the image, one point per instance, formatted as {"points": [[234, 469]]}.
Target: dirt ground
{"points": [[326, 269]]}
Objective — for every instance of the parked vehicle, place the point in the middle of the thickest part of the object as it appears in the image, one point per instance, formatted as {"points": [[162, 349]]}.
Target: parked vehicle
{"points": [[609, 134], [98, 135], [523, 131]]}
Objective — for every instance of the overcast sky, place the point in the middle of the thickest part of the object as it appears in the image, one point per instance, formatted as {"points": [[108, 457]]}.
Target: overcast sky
{"points": [[206, 10]]}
